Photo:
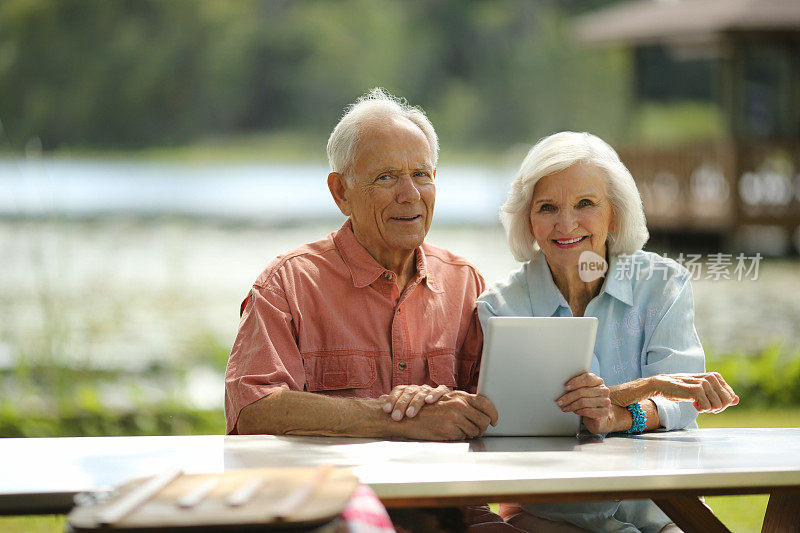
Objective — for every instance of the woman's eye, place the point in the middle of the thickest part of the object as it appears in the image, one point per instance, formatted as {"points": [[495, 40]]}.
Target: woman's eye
{"points": [[547, 208], [585, 203]]}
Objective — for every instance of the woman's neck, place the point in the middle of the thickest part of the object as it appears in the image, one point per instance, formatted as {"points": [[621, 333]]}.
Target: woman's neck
{"points": [[577, 292]]}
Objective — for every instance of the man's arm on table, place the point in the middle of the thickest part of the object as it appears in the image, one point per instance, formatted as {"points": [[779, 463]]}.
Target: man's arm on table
{"points": [[457, 415]]}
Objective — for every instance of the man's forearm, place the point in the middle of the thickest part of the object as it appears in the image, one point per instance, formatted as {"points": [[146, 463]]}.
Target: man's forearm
{"points": [[287, 412]]}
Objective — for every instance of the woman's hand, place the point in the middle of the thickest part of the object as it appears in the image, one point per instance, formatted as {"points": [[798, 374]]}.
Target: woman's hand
{"points": [[588, 396], [708, 391], [407, 400]]}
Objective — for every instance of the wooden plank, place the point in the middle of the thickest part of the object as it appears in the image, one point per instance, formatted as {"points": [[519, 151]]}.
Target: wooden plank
{"points": [[783, 514], [318, 496], [691, 514]]}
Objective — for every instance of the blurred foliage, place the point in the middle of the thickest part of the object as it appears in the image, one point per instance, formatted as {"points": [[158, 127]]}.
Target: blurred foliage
{"points": [[771, 378], [60, 400], [138, 73], [211, 351], [677, 122], [161, 420]]}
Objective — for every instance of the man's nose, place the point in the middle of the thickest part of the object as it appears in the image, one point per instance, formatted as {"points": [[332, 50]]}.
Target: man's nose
{"points": [[407, 190]]}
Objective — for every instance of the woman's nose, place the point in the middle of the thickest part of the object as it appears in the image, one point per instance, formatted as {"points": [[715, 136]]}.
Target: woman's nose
{"points": [[566, 221]]}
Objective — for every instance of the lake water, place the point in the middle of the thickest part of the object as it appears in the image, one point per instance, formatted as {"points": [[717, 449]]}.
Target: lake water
{"points": [[253, 192], [149, 262]]}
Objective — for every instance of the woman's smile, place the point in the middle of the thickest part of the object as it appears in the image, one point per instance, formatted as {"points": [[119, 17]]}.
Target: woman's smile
{"points": [[570, 243]]}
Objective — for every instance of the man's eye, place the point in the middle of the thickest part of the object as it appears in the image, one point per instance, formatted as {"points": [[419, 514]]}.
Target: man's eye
{"points": [[384, 177]]}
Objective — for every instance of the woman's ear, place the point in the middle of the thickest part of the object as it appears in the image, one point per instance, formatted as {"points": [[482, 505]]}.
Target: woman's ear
{"points": [[338, 187]]}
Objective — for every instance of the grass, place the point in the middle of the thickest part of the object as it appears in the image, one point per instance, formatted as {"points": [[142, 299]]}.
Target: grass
{"points": [[33, 524], [775, 417]]}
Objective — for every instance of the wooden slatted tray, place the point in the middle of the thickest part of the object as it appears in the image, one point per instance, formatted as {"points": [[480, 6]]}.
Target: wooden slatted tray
{"points": [[282, 497]]}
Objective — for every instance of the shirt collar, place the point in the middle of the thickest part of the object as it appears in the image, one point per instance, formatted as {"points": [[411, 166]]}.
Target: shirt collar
{"points": [[546, 298], [617, 284], [364, 269], [424, 272]]}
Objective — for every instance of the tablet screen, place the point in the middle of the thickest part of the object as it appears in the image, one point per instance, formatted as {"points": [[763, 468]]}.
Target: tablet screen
{"points": [[526, 362]]}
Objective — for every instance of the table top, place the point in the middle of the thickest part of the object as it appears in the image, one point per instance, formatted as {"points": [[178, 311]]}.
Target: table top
{"points": [[41, 475]]}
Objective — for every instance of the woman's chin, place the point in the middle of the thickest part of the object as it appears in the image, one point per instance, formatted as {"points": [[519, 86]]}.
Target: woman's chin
{"points": [[563, 261]]}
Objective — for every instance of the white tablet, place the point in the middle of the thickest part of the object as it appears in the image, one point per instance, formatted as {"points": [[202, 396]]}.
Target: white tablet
{"points": [[526, 362]]}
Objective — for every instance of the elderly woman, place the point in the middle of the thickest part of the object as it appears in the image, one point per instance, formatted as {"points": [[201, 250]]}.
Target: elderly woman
{"points": [[573, 204]]}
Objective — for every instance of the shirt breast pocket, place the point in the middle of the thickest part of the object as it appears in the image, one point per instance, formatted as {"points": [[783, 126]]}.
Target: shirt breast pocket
{"points": [[442, 369], [338, 372]]}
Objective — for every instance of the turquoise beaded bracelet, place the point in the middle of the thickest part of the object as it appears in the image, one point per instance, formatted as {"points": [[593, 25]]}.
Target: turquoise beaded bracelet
{"points": [[639, 418]]}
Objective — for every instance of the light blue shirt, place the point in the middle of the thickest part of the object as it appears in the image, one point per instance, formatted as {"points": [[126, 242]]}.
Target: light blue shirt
{"points": [[646, 327]]}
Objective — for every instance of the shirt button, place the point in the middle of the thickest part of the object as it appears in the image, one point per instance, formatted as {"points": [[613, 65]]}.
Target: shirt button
{"points": [[401, 365], [388, 275]]}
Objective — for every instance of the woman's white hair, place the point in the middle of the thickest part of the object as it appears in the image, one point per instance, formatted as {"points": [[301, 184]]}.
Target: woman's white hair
{"points": [[555, 153], [377, 105]]}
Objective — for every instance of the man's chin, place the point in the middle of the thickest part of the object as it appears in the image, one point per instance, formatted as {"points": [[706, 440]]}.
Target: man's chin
{"points": [[407, 241]]}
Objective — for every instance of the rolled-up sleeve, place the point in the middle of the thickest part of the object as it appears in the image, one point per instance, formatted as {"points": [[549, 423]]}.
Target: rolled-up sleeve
{"points": [[674, 347], [265, 356]]}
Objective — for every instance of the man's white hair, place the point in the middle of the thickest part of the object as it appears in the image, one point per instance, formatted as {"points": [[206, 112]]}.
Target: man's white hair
{"points": [[555, 153], [376, 106]]}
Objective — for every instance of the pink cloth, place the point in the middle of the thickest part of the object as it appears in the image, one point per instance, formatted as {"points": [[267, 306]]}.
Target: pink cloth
{"points": [[365, 513], [327, 318]]}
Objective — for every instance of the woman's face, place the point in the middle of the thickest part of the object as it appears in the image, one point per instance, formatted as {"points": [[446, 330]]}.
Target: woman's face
{"points": [[570, 214]]}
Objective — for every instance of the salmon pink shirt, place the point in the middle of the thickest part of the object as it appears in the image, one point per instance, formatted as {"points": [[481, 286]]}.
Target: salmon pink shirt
{"points": [[327, 318]]}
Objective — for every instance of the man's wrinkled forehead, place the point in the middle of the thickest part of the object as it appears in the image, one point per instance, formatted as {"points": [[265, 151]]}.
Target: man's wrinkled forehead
{"points": [[393, 136]]}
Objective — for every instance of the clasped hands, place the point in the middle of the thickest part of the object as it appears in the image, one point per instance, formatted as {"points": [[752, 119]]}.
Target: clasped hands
{"points": [[602, 409], [428, 413]]}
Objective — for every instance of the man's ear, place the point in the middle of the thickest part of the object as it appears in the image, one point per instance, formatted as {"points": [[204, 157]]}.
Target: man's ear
{"points": [[338, 186]]}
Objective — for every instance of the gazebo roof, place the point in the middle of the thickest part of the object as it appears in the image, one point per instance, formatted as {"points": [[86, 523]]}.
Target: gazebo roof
{"points": [[646, 21]]}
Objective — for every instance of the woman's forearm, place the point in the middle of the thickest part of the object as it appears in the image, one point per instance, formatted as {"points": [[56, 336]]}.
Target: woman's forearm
{"points": [[623, 419], [634, 391]]}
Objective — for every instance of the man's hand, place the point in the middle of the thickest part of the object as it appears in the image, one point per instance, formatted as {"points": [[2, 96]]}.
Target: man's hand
{"points": [[457, 415], [587, 395], [708, 391], [407, 400]]}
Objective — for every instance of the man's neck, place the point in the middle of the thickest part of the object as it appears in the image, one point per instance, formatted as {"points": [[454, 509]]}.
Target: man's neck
{"points": [[401, 262], [403, 265]]}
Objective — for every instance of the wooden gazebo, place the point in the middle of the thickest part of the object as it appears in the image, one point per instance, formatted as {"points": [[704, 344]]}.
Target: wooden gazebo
{"points": [[751, 176]]}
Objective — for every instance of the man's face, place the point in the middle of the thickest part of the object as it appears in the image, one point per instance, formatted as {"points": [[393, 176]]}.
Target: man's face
{"points": [[391, 194]]}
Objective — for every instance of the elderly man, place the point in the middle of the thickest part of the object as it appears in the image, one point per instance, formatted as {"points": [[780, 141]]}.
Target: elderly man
{"points": [[336, 332], [368, 332]]}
